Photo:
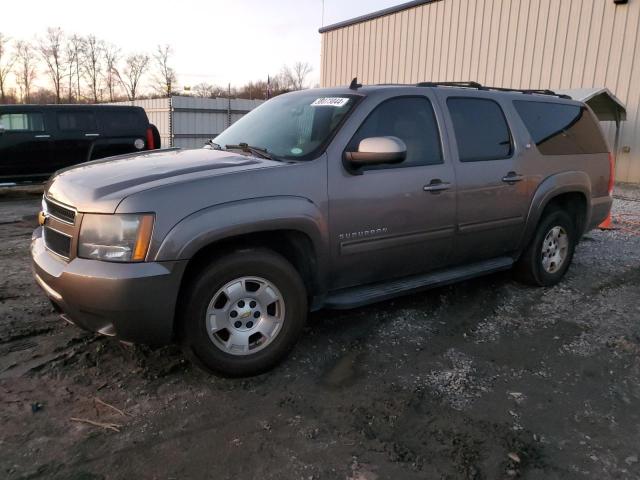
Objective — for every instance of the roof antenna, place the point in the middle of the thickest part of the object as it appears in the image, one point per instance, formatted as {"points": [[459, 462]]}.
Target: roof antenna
{"points": [[354, 84]]}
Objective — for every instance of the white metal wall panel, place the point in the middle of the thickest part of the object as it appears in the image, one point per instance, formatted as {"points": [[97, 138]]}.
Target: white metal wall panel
{"points": [[188, 122], [507, 43]]}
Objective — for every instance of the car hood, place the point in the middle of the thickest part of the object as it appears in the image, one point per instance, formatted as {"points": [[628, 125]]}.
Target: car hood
{"points": [[99, 186]]}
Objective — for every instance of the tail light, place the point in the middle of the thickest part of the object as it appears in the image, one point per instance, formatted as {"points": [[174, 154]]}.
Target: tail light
{"points": [[612, 172], [150, 143]]}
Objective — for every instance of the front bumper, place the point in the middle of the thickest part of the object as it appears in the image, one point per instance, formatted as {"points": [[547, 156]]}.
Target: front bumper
{"points": [[132, 301]]}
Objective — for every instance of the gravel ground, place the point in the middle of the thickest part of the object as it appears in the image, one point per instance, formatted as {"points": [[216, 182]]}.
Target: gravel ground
{"points": [[486, 379]]}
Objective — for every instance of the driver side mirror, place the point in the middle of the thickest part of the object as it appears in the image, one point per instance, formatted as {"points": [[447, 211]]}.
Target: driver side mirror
{"points": [[377, 151]]}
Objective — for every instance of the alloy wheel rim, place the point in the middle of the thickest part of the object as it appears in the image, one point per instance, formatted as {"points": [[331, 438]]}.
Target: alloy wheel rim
{"points": [[554, 249], [245, 315]]}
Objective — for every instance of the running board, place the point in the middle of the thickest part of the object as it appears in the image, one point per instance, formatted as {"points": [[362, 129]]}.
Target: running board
{"points": [[364, 295]]}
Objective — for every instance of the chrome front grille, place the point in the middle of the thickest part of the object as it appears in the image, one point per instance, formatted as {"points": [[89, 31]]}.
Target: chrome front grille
{"points": [[60, 212], [57, 242]]}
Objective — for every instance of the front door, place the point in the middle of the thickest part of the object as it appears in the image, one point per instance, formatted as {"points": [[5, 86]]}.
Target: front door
{"points": [[25, 145], [493, 188], [390, 221]]}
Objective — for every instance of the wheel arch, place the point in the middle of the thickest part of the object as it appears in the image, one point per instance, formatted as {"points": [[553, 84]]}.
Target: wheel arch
{"points": [[570, 191]]}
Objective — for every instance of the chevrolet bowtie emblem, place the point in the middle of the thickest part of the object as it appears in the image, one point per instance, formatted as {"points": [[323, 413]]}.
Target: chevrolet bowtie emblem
{"points": [[42, 218]]}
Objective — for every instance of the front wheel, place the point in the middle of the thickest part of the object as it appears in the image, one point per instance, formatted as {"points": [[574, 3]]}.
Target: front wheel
{"points": [[548, 256], [244, 313]]}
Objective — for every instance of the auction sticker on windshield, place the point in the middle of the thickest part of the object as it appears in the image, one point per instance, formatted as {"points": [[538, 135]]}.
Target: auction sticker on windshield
{"points": [[330, 102]]}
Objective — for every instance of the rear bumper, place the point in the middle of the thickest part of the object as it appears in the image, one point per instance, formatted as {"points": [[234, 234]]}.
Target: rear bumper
{"points": [[600, 208], [132, 301]]}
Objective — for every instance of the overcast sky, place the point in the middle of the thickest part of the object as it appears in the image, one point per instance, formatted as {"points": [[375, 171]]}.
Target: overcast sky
{"points": [[217, 41]]}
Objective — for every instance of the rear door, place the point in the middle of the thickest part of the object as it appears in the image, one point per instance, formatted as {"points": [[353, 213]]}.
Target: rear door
{"points": [[493, 187], [389, 221], [25, 144], [76, 132]]}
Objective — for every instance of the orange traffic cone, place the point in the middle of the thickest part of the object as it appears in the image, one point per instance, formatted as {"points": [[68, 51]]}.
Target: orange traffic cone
{"points": [[607, 224]]}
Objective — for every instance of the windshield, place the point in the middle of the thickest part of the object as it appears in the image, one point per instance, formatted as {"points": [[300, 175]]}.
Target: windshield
{"points": [[291, 126]]}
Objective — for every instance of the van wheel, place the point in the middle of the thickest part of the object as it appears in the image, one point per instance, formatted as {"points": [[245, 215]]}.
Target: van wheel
{"points": [[547, 258], [244, 313]]}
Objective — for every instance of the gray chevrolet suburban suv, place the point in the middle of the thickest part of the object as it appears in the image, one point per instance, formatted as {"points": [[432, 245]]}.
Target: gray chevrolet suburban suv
{"points": [[324, 198]]}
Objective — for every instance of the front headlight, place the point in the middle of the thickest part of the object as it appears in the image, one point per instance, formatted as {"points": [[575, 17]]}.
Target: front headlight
{"points": [[115, 238]]}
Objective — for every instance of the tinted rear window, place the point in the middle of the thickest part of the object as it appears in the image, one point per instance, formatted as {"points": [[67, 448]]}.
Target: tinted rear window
{"points": [[122, 121], [561, 129], [481, 129], [76, 121]]}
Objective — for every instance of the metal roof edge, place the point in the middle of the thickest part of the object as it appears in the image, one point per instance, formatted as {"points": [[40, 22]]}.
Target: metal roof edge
{"points": [[587, 94], [376, 14]]}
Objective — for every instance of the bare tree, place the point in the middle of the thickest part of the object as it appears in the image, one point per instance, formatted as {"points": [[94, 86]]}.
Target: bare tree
{"points": [[296, 76], [92, 64], [73, 59], [166, 76], [135, 66], [111, 55], [50, 48], [6, 64], [26, 69], [207, 90]]}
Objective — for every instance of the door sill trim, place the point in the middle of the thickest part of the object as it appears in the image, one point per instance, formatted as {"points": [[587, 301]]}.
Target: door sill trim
{"points": [[353, 297]]}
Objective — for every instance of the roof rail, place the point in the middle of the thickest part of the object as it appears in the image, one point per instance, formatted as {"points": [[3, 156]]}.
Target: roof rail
{"points": [[450, 84], [479, 86]]}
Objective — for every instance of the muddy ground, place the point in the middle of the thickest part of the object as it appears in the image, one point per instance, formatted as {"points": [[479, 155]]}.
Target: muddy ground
{"points": [[486, 379]]}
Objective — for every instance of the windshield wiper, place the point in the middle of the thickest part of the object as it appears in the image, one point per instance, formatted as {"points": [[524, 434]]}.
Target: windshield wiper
{"points": [[257, 151]]}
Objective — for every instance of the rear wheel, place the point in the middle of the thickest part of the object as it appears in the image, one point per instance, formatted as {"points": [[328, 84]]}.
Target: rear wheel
{"points": [[550, 252], [243, 314]]}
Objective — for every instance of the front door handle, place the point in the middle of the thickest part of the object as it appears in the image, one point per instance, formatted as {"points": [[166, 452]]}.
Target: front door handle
{"points": [[42, 136], [436, 185], [513, 177], [91, 134]]}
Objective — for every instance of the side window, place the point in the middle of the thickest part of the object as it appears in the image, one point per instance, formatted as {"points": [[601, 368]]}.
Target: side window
{"points": [[481, 129], [22, 122], [411, 119], [75, 121], [121, 121], [561, 129]]}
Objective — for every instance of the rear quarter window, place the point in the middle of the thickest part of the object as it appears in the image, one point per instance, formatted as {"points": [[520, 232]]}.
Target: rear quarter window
{"points": [[123, 121], [561, 129]]}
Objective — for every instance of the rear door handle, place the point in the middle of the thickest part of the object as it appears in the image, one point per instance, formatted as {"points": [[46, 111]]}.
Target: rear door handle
{"points": [[436, 185], [512, 177], [91, 134], [42, 136]]}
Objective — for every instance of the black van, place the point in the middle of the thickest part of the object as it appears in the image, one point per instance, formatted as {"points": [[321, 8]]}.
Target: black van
{"points": [[37, 140]]}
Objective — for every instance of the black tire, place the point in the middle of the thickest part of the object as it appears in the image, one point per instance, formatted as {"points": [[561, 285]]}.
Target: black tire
{"points": [[199, 292], [529, 268]]}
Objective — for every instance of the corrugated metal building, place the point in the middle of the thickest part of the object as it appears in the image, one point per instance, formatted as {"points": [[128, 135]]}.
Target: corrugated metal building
{"points": [[188, 122], [529, 44]]}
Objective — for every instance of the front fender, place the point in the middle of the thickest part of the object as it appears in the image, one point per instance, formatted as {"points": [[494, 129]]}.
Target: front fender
{"points": [[255, 215], [550, 187]]}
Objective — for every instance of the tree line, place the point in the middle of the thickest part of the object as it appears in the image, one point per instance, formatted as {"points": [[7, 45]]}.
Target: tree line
{"points": [[85, 69]]}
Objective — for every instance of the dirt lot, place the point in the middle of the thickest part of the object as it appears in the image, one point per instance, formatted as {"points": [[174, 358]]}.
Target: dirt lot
{"points": [[484, 379]]}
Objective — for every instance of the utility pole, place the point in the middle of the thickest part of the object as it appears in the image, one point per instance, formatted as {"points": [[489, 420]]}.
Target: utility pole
{"points": [[229, 106]]}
